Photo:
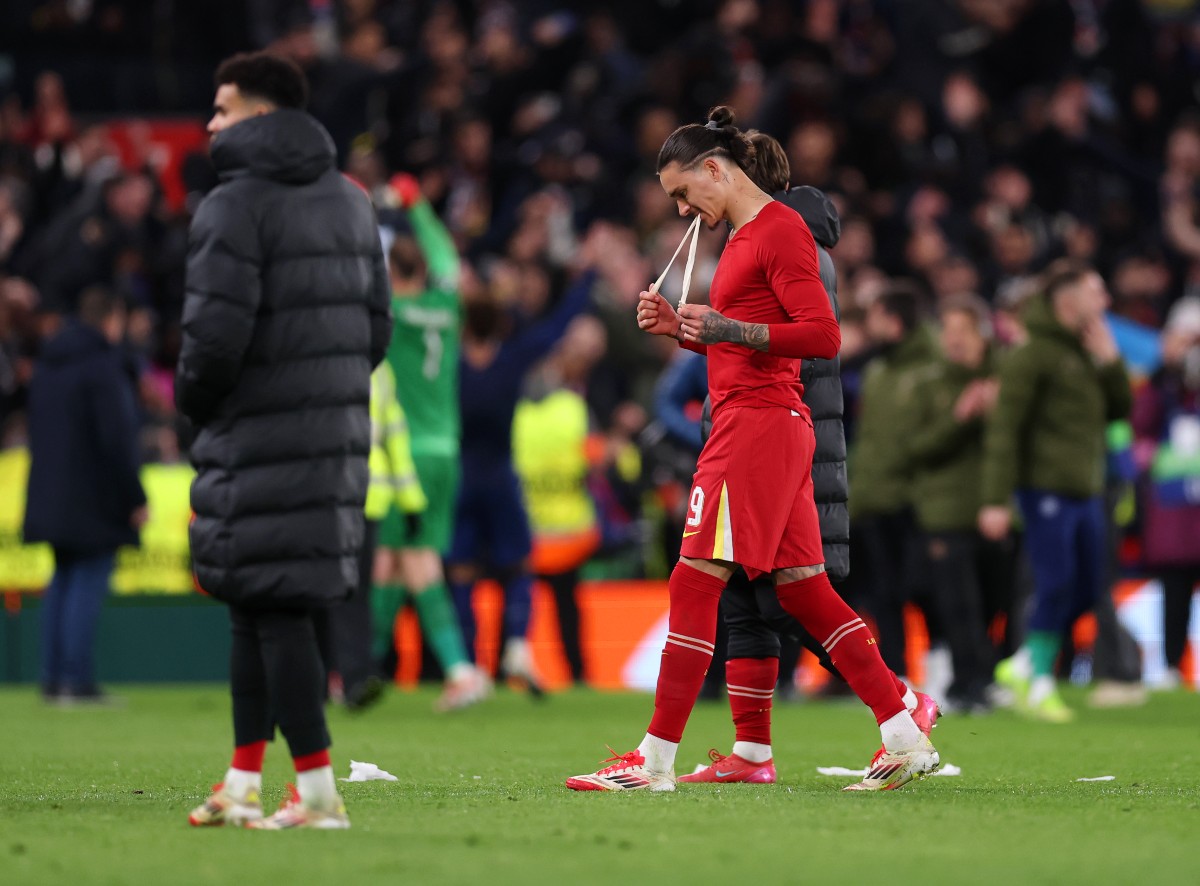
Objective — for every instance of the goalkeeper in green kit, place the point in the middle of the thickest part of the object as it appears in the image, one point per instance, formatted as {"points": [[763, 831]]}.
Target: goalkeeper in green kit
{"points": [[424, 352]]}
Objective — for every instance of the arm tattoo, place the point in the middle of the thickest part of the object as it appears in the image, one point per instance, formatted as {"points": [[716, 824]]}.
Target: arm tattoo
{"points": [[717, 328]]}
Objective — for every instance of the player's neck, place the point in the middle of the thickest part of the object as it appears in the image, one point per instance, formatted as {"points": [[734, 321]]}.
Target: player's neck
{"points": [[745, 205]]}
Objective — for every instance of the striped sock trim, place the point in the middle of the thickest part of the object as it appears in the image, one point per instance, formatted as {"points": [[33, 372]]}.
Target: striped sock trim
{"points": [[838, 630], [749, 691], [691, 643], [843, 632]]}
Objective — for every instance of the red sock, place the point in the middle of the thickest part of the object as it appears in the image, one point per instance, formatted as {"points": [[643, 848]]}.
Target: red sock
{"points": [[900, 685], [249, 757], [751, 685], [688, 650], [816, 605], [312, 761]]}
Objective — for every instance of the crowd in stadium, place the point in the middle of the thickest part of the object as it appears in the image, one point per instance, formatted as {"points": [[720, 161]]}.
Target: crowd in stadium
{"points": [[966, 145]]}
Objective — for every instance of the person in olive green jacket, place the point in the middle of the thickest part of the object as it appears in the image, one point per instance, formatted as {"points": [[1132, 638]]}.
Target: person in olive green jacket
{"points": [[1046, 443], [972, 576], [880, 503]]}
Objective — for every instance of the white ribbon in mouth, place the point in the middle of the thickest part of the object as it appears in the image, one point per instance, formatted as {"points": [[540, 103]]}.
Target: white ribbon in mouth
{"points": [[693, 233]]}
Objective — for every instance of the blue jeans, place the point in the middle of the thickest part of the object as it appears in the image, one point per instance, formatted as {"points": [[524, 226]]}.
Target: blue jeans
{"points": [[70, 614], [1068, 551]]}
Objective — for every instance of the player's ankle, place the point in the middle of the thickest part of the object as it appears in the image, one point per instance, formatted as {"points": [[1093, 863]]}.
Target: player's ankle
{"points": [[900, 732], [753, 752], [658, 752]]}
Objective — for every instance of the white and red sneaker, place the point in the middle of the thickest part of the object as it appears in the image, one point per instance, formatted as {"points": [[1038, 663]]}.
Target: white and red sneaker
{"points": [[294, 813], [732, 769], [890, 770], [624, 772], [224, 807]]}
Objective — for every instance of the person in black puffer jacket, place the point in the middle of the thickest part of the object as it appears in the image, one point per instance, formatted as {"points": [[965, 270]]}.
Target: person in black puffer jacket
{"points": [[286, 314], [751, 610]]}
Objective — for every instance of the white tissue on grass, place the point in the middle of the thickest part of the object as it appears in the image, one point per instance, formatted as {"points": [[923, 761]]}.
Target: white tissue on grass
{"points": [[367, 772], [947, 769], [1099, 778]]}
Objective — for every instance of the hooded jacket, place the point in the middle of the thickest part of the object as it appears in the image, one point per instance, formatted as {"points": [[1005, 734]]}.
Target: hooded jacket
{"points": [[822, 380], [1047, 430], [83, 446], [287, 312]]}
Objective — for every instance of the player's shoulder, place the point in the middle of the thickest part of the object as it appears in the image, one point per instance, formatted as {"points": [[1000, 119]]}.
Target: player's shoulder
{"points": [[783, 229]]}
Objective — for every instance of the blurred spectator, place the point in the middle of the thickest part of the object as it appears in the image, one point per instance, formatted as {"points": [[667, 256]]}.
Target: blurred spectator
{"points": [[491, 529], [84, 496], [551, 452], [973, 577], [880, 476], [1166, 420], [1046, 443]]}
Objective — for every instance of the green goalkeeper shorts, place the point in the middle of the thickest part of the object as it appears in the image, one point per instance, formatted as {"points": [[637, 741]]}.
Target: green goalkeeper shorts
{"points": [[439, 479]]}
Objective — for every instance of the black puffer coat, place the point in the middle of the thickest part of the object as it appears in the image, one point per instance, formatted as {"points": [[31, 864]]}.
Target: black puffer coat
{"points": [[287, 312], [823, 393], [822, 381]]}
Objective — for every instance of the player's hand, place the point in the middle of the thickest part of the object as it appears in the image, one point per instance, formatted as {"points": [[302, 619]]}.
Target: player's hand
{"points": [[700, 323], [995, 522], [139, 517], [406, 188], [1099, 342], [656, 316]]}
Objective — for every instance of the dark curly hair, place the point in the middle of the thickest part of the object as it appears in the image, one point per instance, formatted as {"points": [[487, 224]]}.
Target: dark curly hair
{"points": [[690, 144], [265, 76]]}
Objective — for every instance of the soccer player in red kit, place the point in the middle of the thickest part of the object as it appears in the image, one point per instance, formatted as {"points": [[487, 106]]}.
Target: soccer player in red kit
{"points": [[751, 502]]}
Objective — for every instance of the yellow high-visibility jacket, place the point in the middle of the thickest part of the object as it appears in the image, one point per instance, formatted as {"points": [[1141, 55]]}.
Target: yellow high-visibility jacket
{"points": [[393, 474]]}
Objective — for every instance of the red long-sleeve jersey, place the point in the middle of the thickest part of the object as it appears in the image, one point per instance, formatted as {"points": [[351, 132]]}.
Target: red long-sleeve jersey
{"points": [[769, 274]]}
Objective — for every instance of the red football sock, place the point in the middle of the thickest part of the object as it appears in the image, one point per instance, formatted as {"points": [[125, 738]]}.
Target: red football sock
{"points": [[312, 761], [816, 605], [249, 757], [900, 685], [688, 651], [751, 685]]}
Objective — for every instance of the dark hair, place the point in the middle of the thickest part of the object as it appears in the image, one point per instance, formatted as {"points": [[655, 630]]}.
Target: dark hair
{"points": [[690, 144], [1063, 273], [265, 76], [904, 302], [971, 305], [97, 304], [769, 169], [405, 258]]}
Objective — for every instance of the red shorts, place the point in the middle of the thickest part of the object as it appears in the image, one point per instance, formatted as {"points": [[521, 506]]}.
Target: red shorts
{"points": [[752, 495]]}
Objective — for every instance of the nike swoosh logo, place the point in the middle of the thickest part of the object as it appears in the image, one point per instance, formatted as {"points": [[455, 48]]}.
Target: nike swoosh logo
{"points": [[721, 774], [689, 534]]}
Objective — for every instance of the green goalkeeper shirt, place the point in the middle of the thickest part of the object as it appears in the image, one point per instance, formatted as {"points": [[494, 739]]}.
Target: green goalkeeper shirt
{"points": [[424, 349]]}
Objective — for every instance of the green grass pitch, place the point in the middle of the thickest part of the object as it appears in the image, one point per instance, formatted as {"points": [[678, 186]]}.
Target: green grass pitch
{"points": [[102, 796]]}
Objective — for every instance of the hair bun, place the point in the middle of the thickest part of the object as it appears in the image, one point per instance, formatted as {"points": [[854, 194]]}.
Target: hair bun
{"points": [[721, 115]]}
